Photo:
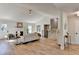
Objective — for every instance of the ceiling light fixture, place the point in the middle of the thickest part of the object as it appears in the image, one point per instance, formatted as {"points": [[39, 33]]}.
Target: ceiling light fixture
{"points": [[30, 12]]}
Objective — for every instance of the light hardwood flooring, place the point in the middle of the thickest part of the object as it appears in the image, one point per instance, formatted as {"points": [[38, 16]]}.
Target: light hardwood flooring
{"points": [[41, 47], [45, 47]]}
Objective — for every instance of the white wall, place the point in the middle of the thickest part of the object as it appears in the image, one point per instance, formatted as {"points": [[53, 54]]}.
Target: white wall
{"points": [[45, 20], [72, 26], [12, 27]]}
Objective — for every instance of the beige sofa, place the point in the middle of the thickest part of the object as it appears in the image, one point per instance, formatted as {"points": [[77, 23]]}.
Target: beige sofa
{"points": [[28, 38]]}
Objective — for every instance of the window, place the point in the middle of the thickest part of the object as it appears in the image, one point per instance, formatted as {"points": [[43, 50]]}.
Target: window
{"points": [[29, 28], [38, 28], [3, 30], [3, 27]]}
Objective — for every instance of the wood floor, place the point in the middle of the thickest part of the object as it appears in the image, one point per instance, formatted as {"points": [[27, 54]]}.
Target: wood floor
{"points": [[45, 47], [42, 47]]}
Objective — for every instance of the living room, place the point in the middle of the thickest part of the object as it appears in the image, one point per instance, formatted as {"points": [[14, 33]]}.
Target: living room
{"points": [[45, 27], [22, 23], [26, 16], [39, 29]]}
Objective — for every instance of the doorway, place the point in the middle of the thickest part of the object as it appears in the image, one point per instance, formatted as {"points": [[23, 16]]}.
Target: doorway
{"points": [[46, 27]]}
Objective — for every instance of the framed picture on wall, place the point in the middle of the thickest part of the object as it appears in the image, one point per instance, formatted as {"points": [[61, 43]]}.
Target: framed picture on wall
{"points": [[19, 24], [54, 23]]}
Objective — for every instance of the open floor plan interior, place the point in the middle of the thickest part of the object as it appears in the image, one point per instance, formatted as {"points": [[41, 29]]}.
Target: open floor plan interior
{"points": [[39, 28]]}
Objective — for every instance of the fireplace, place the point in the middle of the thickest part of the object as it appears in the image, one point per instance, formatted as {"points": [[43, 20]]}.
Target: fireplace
{"points": [[19, 33]]}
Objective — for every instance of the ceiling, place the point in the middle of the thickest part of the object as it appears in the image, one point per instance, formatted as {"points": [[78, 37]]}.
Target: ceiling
{"points": [[68, 7], [20, 11]]}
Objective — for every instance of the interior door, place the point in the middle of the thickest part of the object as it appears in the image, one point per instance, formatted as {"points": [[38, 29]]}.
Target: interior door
{"points": [[77, 31], [46, 27]]}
